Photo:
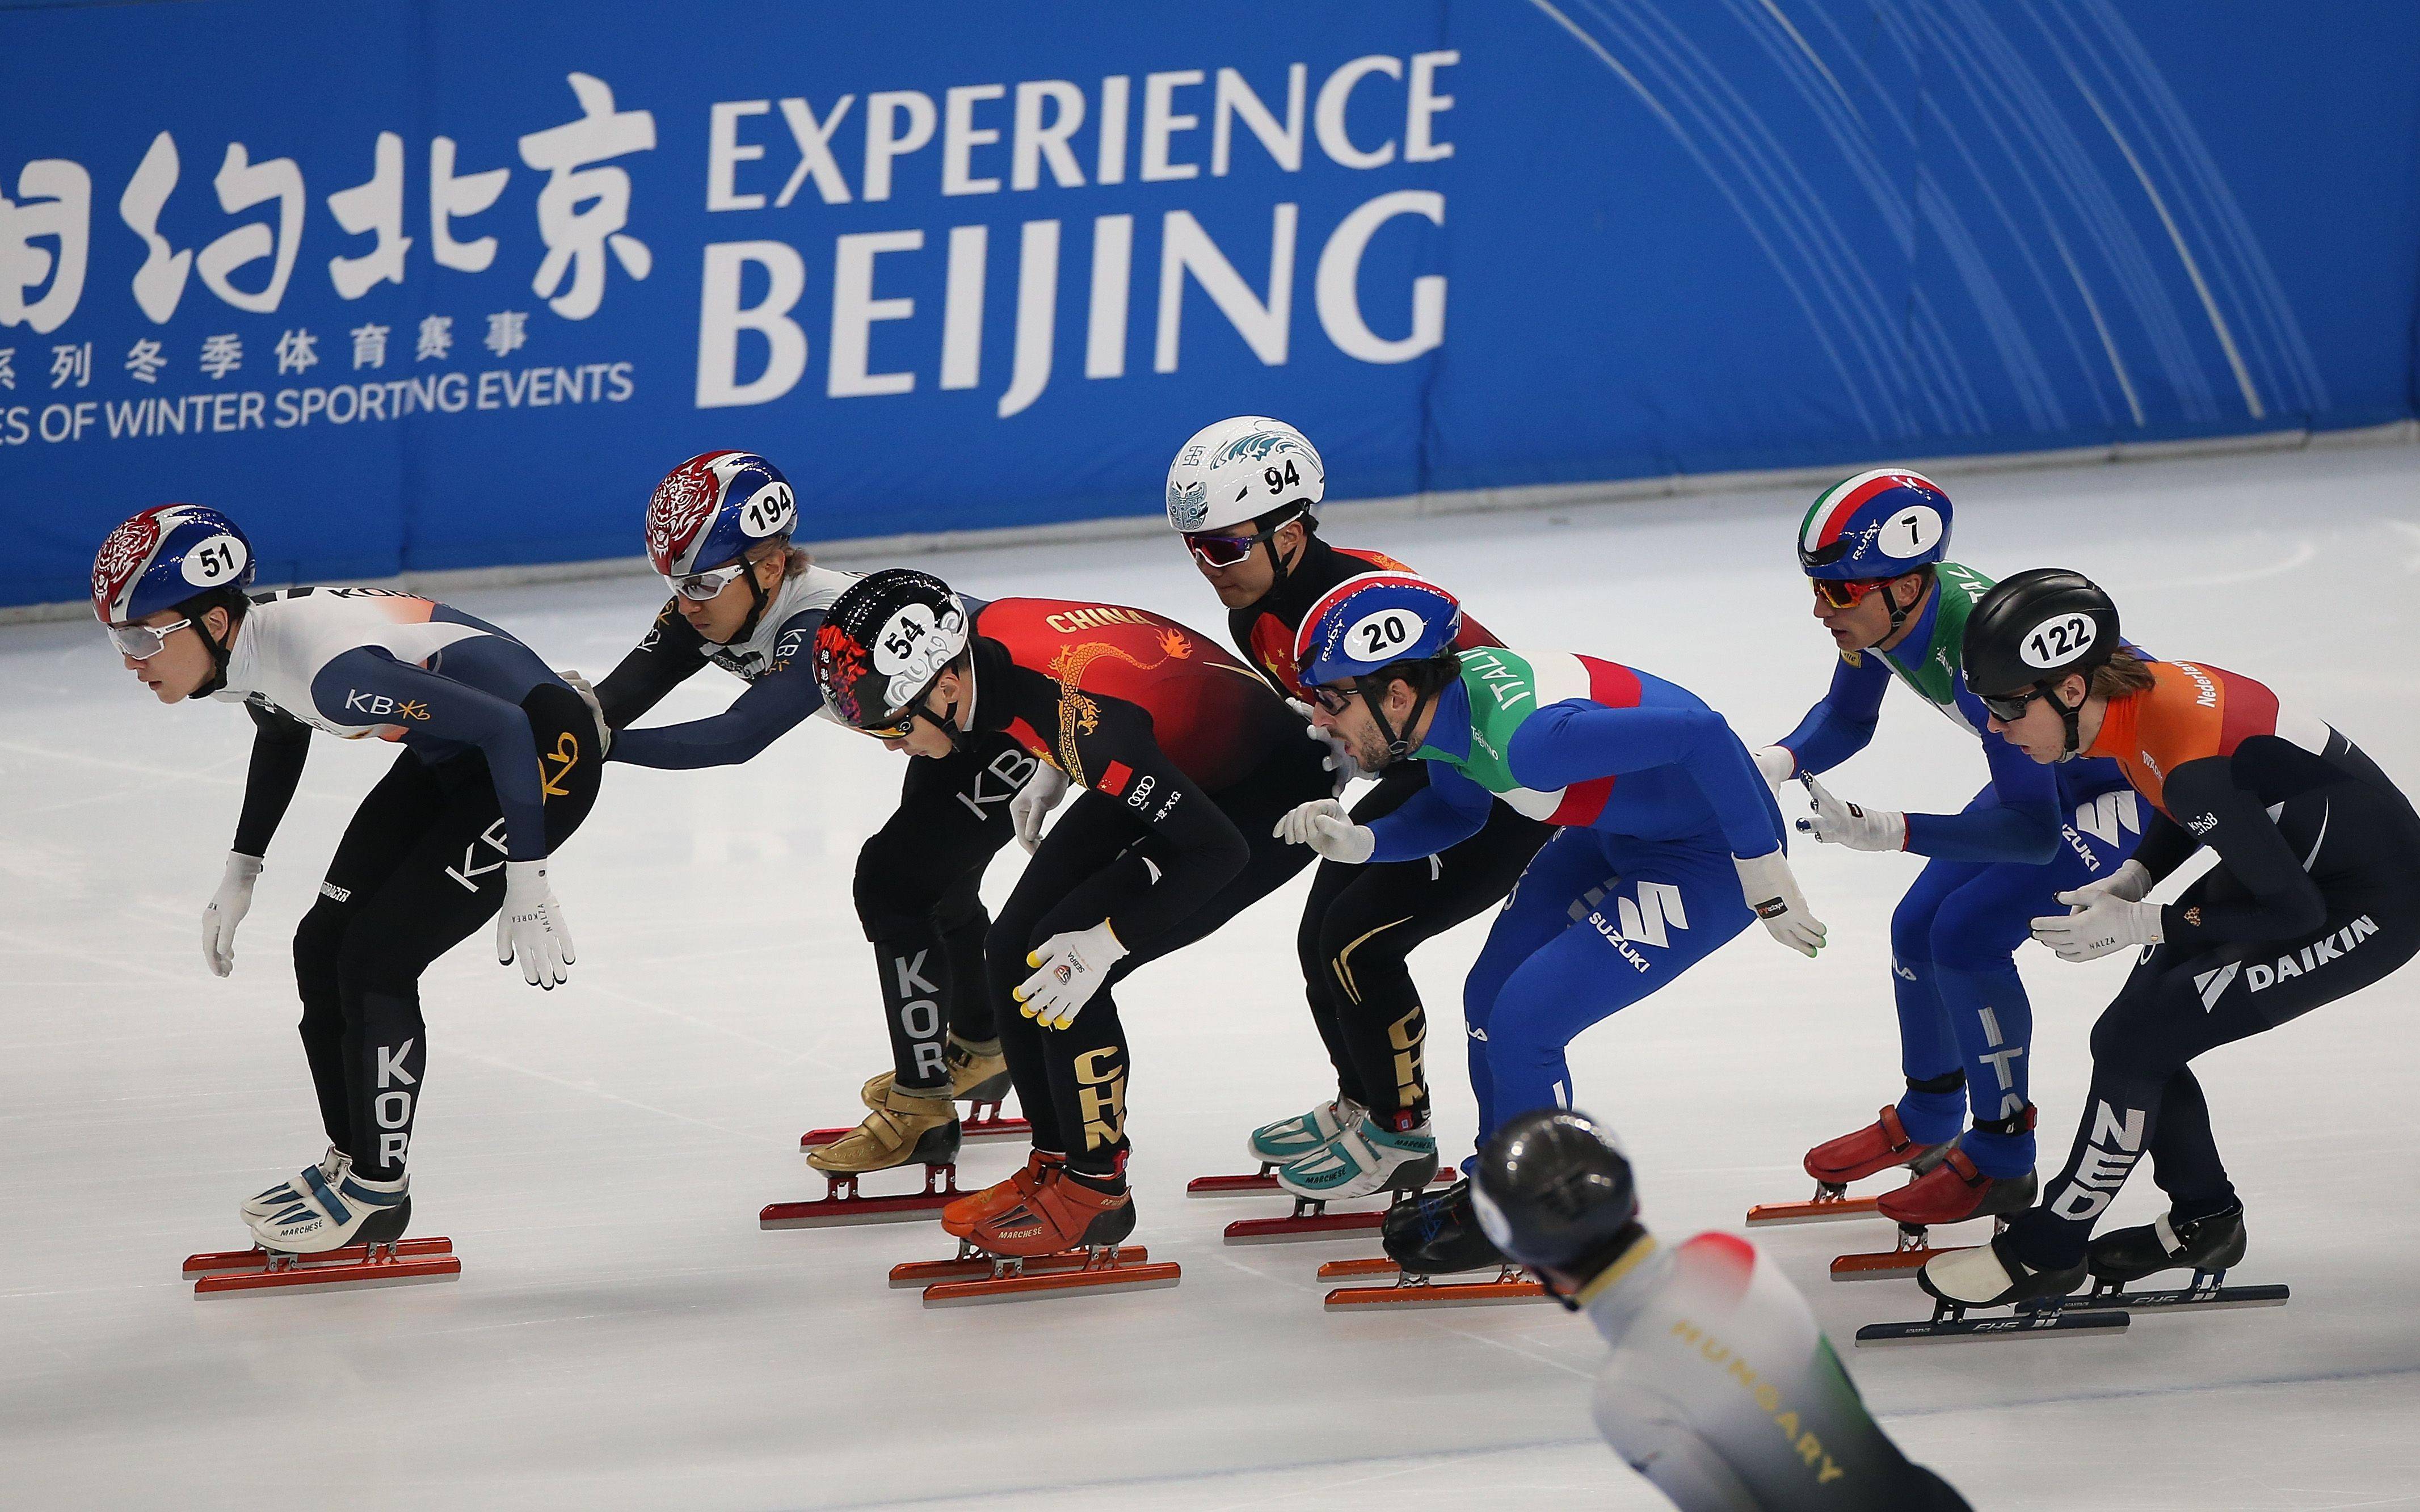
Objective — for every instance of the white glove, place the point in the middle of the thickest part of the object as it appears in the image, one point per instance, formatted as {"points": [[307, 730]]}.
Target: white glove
{"points": [[1035, 801], [1340, 758], [2101, 922], [1323, 826], [1837, 823], [1767, 885], [1774, 764], [530, 925], [1074, 966], [588, 696], [2129, 883], [226, 910]]}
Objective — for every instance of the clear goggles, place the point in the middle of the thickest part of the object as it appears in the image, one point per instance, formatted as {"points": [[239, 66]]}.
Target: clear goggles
{"points": [[142, 642], [698, 587]]}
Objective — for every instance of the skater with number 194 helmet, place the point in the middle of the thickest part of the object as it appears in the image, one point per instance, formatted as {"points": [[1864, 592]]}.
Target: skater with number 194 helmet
{"points": [[1874, 548], [499, 766], [2316, 894], [1666, 842], [747, 598], [1712, 1344], [1244, 495]]}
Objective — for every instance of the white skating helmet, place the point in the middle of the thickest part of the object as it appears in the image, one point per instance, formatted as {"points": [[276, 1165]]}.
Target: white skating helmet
{"points": [[1230, 472]]}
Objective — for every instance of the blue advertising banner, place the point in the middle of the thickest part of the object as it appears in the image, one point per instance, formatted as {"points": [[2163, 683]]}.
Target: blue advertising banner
{"points": [[444, 285]]}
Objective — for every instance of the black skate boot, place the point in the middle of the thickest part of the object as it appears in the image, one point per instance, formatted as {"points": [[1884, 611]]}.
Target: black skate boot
{"points": [[1439, 1234], [2212, 1244]]}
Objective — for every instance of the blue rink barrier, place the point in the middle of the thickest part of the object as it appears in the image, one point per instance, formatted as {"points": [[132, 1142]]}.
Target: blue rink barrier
{"points": [[447, 284]]}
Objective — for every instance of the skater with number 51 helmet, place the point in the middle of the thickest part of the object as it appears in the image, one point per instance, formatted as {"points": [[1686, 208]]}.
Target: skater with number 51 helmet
{"points": [[1666, 845], [2316, 894], [499, 766], [1874, 548]]}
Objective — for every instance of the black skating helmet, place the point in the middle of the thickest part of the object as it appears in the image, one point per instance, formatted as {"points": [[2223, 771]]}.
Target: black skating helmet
{"points": [[2029, 632], [1554, 1189], [884, 641]]}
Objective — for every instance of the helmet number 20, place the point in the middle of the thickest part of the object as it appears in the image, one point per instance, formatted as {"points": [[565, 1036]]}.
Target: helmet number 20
{"points": [[1277, 478], [1378, 636]]}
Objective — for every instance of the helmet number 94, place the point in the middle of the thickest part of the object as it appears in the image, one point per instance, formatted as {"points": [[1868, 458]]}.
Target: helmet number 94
{"points": [[1277, 478], [1375, 636], [2056, 642]]}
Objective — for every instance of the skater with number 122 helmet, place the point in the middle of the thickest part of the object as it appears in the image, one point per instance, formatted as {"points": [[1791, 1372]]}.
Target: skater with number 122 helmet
{"points": [[1668, 842], [499, 765], [2315, 895], [1874, 548]]}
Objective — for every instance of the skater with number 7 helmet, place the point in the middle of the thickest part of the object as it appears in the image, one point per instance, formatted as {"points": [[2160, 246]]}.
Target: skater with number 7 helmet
{"points": [[2315, 895], [1667, 844], [1874, 548], [1244, 494], [1188, 761], [499, 766], [748, 599]]}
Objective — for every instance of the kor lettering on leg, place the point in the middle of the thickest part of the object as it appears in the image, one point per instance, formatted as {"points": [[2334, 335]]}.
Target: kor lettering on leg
{"points": [[493, 839], [919, 1017], [997, 782], [2109, 1158], [393, 1109]]}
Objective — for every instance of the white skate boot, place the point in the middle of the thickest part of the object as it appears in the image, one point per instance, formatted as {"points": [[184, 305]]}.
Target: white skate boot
{"points": [[325, 1215], [1365, 1157], [332, 1168], [1290, 1139]]}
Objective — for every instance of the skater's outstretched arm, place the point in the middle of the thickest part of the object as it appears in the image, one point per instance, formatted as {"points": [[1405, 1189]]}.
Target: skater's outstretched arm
{"points": [[2022, 827], [773, 705], [1577, 741], [668, 656], [280, 745], [1440, 816], [2284, 900], [454, 711], [1842, 722]]}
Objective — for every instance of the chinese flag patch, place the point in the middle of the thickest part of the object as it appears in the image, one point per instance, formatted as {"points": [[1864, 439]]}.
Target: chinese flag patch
{"points": [[1113, 782]]}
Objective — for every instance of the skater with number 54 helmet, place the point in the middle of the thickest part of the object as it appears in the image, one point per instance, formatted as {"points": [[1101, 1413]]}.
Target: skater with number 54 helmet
{"points": [[499, 766], [1874, 548], [1666, 843], [2316, 894]]}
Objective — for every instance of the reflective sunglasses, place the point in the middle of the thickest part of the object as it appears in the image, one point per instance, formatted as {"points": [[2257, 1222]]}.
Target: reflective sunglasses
{"points": [[2009, 707], [1215, 551], [698, 587], [1845, 592], [144, 641]]}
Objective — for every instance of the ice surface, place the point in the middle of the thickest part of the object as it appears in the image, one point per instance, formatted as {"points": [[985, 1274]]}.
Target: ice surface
{"points": [[624, 1335]]}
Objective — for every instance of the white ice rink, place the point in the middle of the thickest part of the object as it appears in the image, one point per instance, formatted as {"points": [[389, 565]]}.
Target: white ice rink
{"points": [[623, 1334]]}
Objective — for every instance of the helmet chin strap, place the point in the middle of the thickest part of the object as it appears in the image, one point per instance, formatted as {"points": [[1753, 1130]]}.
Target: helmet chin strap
{"points": [[757, 605], [217, 656], [2069, 715], [1398, 746], [1899, 614]]}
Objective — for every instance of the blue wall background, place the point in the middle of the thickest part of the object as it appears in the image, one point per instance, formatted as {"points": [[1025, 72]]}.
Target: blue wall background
{"points": [[1661, 238]]}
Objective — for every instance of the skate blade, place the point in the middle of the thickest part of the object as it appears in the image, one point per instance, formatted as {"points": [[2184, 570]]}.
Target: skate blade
{"points": [[334, 1276], [2066, 1322], [256, 1259], [979, 1267], [1344, 1270], [1432, 1294], [1146, 1278], [1305, 1229], [1766, 1213], [1880, 1267], [2183, 1299], [969, 1129], [1265, 1184], [840, 1212]]}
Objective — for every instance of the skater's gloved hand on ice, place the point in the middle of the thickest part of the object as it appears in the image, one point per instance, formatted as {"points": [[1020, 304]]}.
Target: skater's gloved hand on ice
{"points": [[1774, 764], [1837, 822], [1767, 885], [530, 925], [2103, 923], [588, 696], [1322, 825], [1340, 755], [1035, 801], [1074, 966], [226, 910]]}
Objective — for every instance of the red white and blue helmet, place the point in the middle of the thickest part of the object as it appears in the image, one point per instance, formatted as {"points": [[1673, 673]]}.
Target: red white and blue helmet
{"points": [[164, 556], [1877, 524], [1368, 623], [709, 510]]}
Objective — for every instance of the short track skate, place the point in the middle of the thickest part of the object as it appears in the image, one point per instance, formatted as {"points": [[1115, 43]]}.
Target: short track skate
{"points": [[2108, 1307], [843, 1205], [982, 1121], [977, 1275], [1310, 1220], [354, 1267], [1509, 1284]]}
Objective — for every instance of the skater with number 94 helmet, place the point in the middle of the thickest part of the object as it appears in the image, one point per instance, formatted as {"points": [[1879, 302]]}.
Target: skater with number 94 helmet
{"points": [[1874, 550], [1244, 496], [1666, 842], [1712, 1344], [2315, 895], [498, 767]]}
